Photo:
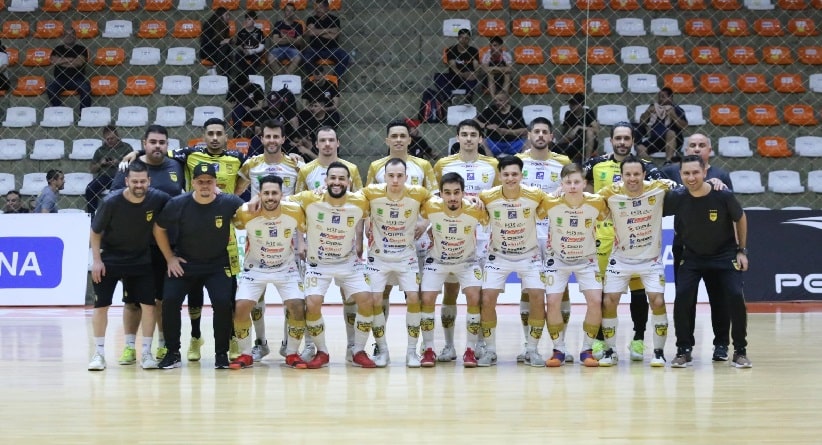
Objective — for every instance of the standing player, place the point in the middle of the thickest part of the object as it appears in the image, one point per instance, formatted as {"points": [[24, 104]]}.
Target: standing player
{"points": [[334, 227], [636, 211], [479, 173], [274, 234], [120, 234], [201, 257], [600, 172], [454, 221], [513, 211]]}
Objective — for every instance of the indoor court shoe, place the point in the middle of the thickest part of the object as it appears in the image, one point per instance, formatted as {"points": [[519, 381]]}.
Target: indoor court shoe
{"points": [[741, 360], [320, 360], [233, 348], [720, 353], [97, 363], [637, 349], [382, 359], [468, 359], [361, 360], [259, 350], [148, 362], [294, 361], [170, 361], [243, 361], [586, 358], [282, 349], [221, 360], [569, 358], [523, 355], [683, 359], [489, 358], [659, 359], [193, 354], [349, 353], [308, 353], [129, 356], [448, 354], [161, 352], [429, 359], [533, 358], [609, 358], [412, 360], [598, 348], [556, 360]]}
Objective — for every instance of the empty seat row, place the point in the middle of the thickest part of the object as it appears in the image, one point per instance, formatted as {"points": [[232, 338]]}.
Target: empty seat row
{"points": [[33, 183], [630, 5], [95, 117], [779, 181], [739, 147]]}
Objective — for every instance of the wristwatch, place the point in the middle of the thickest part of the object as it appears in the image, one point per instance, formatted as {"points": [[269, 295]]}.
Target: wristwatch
{"points": [[742, 250]]}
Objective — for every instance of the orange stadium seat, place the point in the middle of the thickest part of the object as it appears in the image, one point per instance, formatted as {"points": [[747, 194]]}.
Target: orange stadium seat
{"points": [[30, 86], [196, 143], [14, 56], [153, 29], [624, 5], [299, 5], [591, 5], [657, 5], [799, 114], [726, 5], [817, 4], [264, 25], [37, 57], [187, 29], [564, 55], [762, 115], [455, 5], [752, 83], [773, 147], [492, 27], [768, 27], [56, 5], [671, 55], [529, 55], [522, 5], [334, 5], [569, 84], [109, 56], [48, 29], [526, 28], [85, 29], [716, 83], [706, 55], [725, 115], [232, 28], [777, 55], [158, 5], [91, 5], [788, 83], [680, 83], [741, 55], [239, 144], [104, 85], [699, 27], [231, 5], [15, 29], [482, 51], [791, 5], [533, 84], [596, 27], [691, 5], [259, 5], [733, 28], [124, 5], [561, 27], [601, 55], [488, 5], [142, 85], [802, 27], [810, 55]]}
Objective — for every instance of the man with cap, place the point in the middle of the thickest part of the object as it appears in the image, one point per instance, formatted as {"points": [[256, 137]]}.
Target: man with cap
{"points": [[579, 130]]}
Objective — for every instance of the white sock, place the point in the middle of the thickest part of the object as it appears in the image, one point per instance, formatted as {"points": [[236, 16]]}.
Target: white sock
{"points": [[448, 316], [161, 340], [524, 314], [474, 330], [412, 326], [609, 330], [660, 325], [363, 326], [317, 328], [100, 345], [147, 344], [349, 314], [427, 321], [378, 328], [258, 319], [131, 340]]}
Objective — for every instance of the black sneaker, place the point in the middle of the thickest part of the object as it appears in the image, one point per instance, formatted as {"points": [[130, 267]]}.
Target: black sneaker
{"points": [[720, 353], [683, 359], [171, 360], [221, 361]]}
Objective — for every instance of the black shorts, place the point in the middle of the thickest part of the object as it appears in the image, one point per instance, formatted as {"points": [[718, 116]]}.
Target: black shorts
{"points": [[138, 285], [159, 269]]}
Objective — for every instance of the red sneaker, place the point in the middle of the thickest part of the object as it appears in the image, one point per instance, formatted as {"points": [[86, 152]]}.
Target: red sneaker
{"points": [[362, 360], [469, 360], [429, 359], [243, 361], [319, 361], [294, 361]]}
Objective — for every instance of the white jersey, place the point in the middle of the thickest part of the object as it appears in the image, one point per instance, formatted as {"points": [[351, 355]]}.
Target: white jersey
{"points": [[454, 233], [393, 222], [312, 176], [270, 241], [572, 237], [331, 230], [479, 175], [417, 171], [513, 221], [637, 221], [544, 175], [255, 168]]}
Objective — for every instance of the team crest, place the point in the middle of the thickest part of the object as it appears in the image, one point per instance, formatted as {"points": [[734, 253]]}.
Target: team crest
{"points": [[350, 221], [287, 233], [554, 177], [466, 230], [526, 212], [407, 213], [149, 215], [218, 222], [652, 200], [172, 176], [485, 177], [418, 278], [415, 181], [588, 223], [713, 215], [287, 181], [477, 274]]}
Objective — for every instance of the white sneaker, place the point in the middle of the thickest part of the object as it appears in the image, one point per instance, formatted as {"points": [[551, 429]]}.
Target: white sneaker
{"points": [[448, 354], [523, 355], [609, 358], [309, 352], [349, 354], [489, 358], [412, 360], [482, 348], [97, 363], [282, 349], [534, 359], [148, 362], [259, 350], [383, 359], [659, 359]]}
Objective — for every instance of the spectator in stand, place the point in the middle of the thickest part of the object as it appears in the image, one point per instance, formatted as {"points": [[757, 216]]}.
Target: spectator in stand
{"points": [[310, 120], [215, 42], [497, 63], [104, 165], [287, 39], [323, 88], [463, 63], [14, 203], [419, 146], [69, 60], [47, 200], [579, 131], [4, 65], [322, 34], [662, 124], [247, 102], [505, 129], [250, 43]]}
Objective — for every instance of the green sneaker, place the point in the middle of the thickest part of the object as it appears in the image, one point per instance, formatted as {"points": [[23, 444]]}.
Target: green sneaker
{"points": [[637, 349], [129, 356], [161, 353], [598, 349], [193, 354]]}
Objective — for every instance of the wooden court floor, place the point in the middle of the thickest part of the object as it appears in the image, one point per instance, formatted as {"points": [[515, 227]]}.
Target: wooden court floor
{"points": [[48, 396]]}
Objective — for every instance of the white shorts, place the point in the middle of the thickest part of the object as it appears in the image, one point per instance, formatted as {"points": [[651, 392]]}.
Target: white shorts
{"points": [[348, 275], [406, 273], [558, 273], [286, 279], [619, 273], [496, 271], [481, 253], [434, 274]]}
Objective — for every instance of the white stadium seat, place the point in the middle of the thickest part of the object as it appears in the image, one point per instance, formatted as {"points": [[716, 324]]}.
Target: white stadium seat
{"points": [[48, 150], [635, 55], [735, 147], [204, 113], [747, 182], [22, 6], [290, 81], [694, 114], [642, 83], [20, 117], [458, 113], [815, 82], [630, 27], [212, 85], [170, 116], [808, 146], [118, 29], [610, 114], [173, 144], [258, 80], [759, 5], [529, 112], [136, 144], [95, 117], [451, 27], [556, 5], [12, 149], [815, 181], [7, 183], [176, 85], [191, 5], [76, 183], [665, 27], [132, 116], [181, 55], [54, 117], [83, 149], [33, 184], [606, 83], [784, 181], [145, 56]]}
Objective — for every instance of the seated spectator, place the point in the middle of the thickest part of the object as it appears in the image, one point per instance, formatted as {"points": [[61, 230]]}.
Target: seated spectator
{"points": [[310, 120], [14, 203], [250, 42], [505, 127], [247, 102], [419, 146], [323, 88], [661, 126], [579, 131], [47, 200], [463, 62], [497, 63], [280, 105], [4, 65], [322, 34], [287, 39], [215, 42], [104, 165], [69, 60]]}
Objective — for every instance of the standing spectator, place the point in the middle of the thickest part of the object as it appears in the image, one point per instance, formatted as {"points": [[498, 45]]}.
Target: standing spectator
{"points": [[506, 129], [662, 124], [463, 62], [579, 130], [250, 45], [246, 100], [323, 34], [104, 165], [320, 88], [4, 65], [69, 60], [496, 64], [14, 203], [215, 43], [287, 39], [47, 200]]}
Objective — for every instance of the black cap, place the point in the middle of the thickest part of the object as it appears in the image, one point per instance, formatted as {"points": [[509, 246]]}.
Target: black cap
{"points": [[204, 168], [578, 99]]}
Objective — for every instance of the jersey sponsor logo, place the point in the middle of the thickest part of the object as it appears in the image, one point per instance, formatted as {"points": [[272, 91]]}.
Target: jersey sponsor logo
{"points": [[559, 222], [31, 262], [272, 232], [149, 215], [394, 214], [335, 219], [470, 176], [713, 215], [496, 214], [636, 203], [452, 229], [573, 222], [218, 222], [320, 216], [512, 214], [379, 212]]}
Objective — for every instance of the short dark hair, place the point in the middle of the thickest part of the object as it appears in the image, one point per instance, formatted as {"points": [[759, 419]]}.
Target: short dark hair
{"points": [[274, 123], [541, 120], [338, 164], [667, 90], [396, 123], [692, 158], [510, 160], [137, 167], [325, 128], [154, 128], [110, 129], [251, 14], [396, 161], [464, 31], [495, 39], [12, 192], [632, 159], [322, 2], [571, 168], [215, 121], [625, 124], [52, 174], [451, 178], [272, 179], [469, 123]]}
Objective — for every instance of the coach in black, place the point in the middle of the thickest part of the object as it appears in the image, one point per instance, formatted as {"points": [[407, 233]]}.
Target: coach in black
{"points": [[200, 258], [714, 234]]}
